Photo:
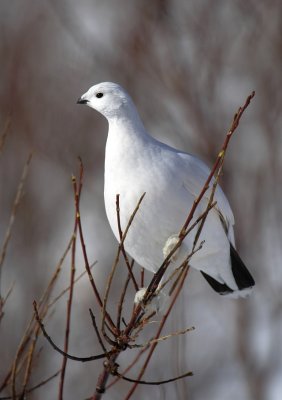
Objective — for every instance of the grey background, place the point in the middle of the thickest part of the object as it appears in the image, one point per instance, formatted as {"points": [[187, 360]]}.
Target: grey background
{"points": [[188, 66]]}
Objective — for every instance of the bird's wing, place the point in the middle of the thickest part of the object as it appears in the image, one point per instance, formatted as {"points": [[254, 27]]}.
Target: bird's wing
{"points": [[194, 181]]}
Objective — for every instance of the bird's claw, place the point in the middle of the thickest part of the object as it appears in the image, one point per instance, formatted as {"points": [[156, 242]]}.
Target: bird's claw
{"points": [[156, 304], [169, 246]]}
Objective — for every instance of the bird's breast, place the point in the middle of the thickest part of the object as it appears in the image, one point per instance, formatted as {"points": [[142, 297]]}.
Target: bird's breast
{"points": [[161, 213]]}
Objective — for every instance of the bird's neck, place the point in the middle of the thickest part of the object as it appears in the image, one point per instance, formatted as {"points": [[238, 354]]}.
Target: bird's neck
{"points": [[127, 138], [127, 123], [126, 130]]}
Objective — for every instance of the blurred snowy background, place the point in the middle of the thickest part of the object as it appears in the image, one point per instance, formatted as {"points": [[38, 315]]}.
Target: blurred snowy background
{"points": [[188, 66]]}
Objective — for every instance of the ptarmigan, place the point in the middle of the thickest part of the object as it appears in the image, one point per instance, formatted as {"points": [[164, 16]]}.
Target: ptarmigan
{"points": [[136, 163]]}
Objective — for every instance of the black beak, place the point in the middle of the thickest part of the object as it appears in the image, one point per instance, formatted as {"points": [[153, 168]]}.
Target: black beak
{"points": [[81, 101]]}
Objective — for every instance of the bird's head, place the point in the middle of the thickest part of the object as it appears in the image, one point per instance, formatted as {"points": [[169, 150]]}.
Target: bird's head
{"points": [[110, 99]]}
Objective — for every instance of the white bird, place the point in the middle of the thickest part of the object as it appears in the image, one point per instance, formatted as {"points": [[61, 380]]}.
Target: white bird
{"points": [[136, 163]]}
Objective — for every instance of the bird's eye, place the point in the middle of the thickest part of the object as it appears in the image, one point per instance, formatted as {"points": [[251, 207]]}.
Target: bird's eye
{"points": [[99, 95]]}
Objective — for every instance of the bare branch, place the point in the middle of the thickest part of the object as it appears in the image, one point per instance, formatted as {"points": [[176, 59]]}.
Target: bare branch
{"points": [[138, 382], [122, 246], [234, 125], [55, 347], [162, 338], [54, 301], [162, 323], [110, 279], [38, 385], [16, 203], [97, 330], [122, 296], [77, 192], [31, 325], [4, 133], [183, 233], [87, 265]]}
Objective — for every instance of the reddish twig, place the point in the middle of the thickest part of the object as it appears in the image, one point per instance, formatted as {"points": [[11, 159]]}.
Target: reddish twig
{"points": [[87, 267], [4, 133], [29, 361], [15, 206], [122, 245], [64, 291], [122, 296], [55, 347], [110, 279], [32, 324], [142, 277], [4, 300], [183, 233], [37, 386], [154, 345], [138, 382], [234, 125], [77, 191], [97, 330]]}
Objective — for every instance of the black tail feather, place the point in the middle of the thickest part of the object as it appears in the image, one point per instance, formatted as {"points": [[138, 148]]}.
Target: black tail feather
{"points": [[242, 276], [220, 288], [240, 272]]}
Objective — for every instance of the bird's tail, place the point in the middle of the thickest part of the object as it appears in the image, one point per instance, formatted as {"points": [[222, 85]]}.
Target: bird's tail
{"points": [[242, 276]]}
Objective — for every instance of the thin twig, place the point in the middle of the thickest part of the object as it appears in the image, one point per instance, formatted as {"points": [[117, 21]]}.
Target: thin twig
{"points": [[97, 330], [110, 278], [4, 133], [55, 347], [81, 275], [122, 245], [183, 233], [77, 192], [38, 385], [139, 382], [162, 338], [7, 379], [162, 323], [87, 266], [4, 300], [184, 266], [15, 206], [142, 277], [122, 296], [31, 325], [13, 371], [29, 361], [234, 125]]}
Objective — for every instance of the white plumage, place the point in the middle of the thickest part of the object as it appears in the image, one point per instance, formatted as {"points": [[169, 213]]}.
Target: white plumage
{"points": [[136, 163]]}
